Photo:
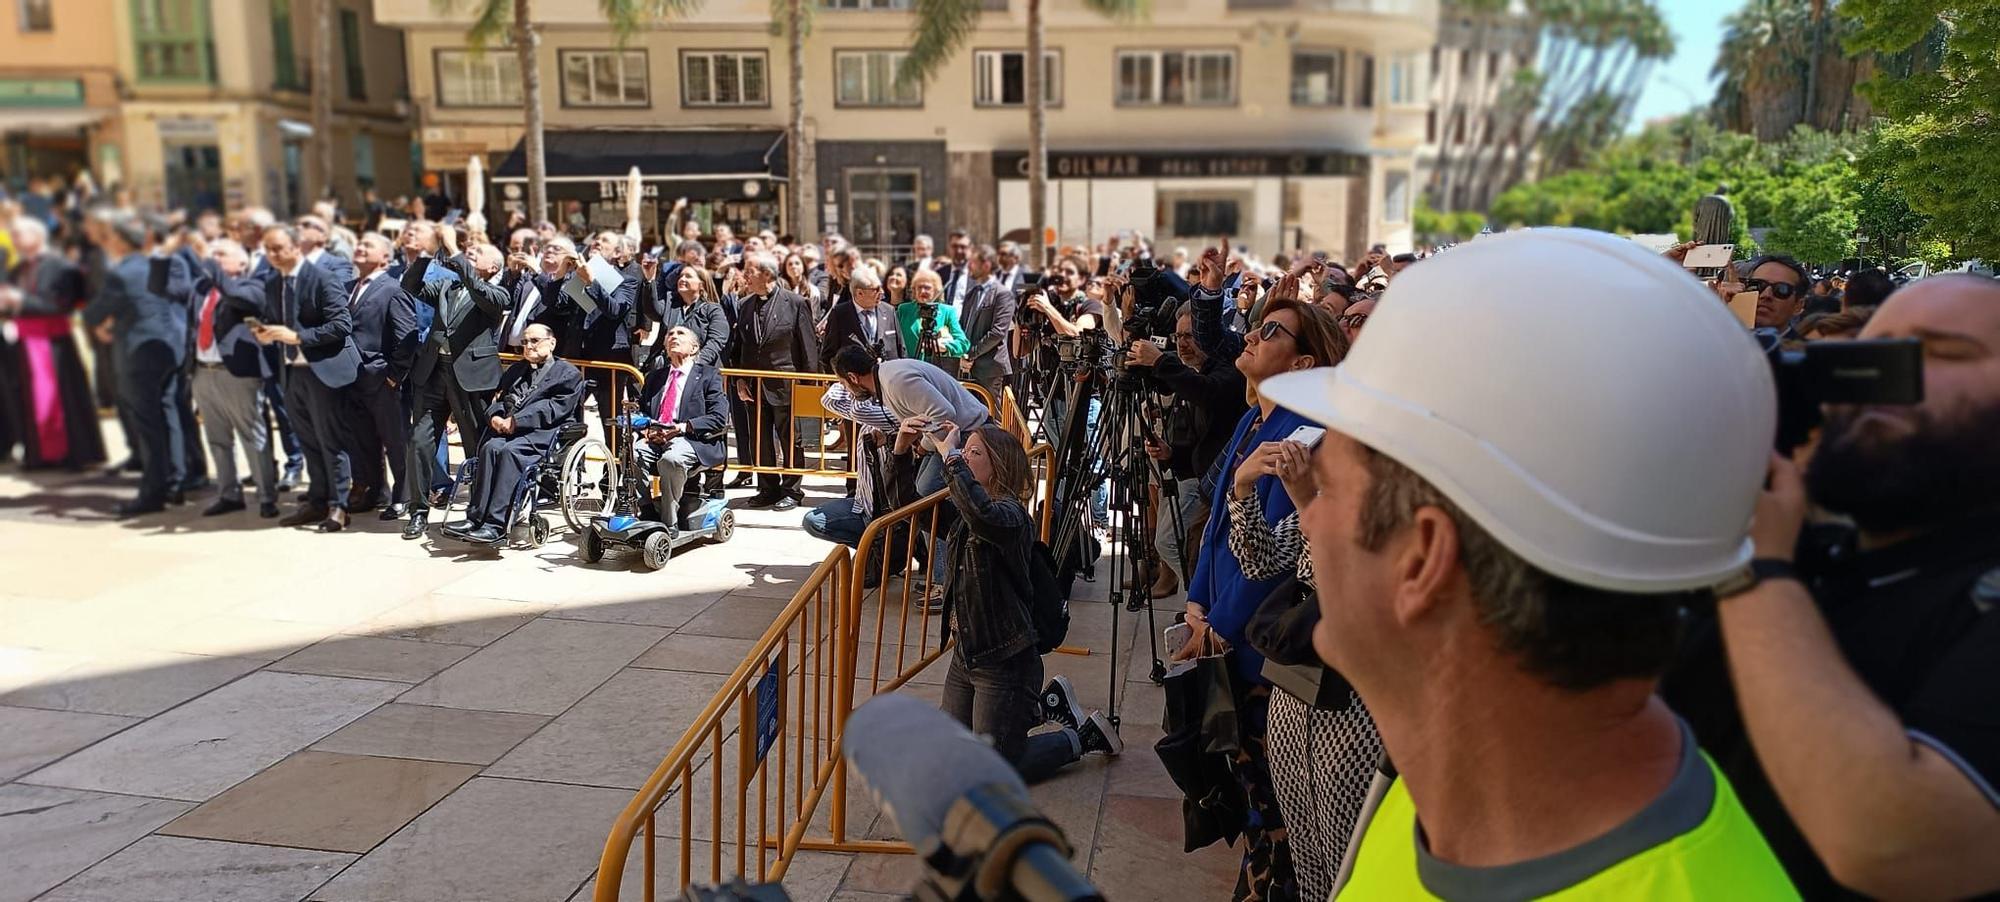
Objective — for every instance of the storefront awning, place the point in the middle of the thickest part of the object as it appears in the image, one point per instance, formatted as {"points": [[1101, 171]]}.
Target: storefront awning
{"points": [[660, 155], [45, 121]]}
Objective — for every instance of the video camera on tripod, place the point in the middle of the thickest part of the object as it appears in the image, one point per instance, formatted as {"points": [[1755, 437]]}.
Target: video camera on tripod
{"points": [[927, 338]]}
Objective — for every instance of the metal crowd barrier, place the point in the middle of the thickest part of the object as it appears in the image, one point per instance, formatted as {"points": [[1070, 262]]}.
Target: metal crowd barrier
{"points": [[775, 726]]}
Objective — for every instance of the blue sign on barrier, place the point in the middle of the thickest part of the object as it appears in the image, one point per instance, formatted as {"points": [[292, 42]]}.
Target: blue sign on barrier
{"points": [[767, 707]]}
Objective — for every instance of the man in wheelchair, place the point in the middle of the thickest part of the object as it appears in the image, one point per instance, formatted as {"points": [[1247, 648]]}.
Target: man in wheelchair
{"points": [[536, 397], [690, 415]]}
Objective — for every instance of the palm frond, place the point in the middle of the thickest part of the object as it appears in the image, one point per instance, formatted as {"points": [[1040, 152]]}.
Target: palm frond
{"points": [[1120, 10], [628, 17], [940, 29], [491, 19], [781, 13]]}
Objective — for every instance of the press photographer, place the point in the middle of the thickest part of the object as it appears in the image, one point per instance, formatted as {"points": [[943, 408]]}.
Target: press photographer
{"points": [[1857, 711], [930, 329]]}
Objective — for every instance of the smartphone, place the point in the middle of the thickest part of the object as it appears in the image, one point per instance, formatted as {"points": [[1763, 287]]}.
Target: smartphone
{"points": [[1172, 640], [1707, 256], [253, 322], [1308, 436]]}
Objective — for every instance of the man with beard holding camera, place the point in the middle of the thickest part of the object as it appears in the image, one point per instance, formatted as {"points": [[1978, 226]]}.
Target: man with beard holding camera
{"points": [[1867, 746]]}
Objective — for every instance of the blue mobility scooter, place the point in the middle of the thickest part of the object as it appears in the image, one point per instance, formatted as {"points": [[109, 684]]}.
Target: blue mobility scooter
{"points": [[656, 539]]}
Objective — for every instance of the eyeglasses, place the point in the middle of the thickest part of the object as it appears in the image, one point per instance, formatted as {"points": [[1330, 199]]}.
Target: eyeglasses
{"points": [[1352, 320], [1183, 336], [539, 341], [1271, 328], [1781, 290]]}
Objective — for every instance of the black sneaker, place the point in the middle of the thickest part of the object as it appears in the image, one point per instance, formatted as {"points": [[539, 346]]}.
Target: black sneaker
{"points": [[1060, 704], [1098, 735]]}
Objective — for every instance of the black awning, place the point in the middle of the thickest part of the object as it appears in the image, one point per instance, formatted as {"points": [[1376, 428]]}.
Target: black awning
{"points": [[606, 154]]}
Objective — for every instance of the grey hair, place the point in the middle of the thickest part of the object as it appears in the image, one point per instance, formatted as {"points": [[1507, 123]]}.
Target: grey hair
{"points": [[290, 232], [765, 262], [864, 277], [29, 225], [925, 238], [561, 241], [373, 238], [259, 217], [627, 244]]}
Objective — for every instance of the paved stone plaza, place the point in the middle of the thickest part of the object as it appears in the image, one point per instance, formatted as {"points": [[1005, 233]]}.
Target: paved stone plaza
{"points": [[218, 709]]}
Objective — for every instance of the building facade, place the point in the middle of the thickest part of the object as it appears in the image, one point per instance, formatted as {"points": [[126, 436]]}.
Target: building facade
{"points": [[217, 103], [1280, 123], [59, 89], [1471, 137]]}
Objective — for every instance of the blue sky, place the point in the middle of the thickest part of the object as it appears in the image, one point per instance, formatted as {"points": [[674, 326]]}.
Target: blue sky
{"points": [[1683, 81]]}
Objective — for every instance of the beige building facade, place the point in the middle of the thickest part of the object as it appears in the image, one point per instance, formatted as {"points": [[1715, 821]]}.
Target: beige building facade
{"points": [[1281, 123], [59, 89], [217, 103]]}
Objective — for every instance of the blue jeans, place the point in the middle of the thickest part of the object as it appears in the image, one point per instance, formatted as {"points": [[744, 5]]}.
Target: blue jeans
{"points": [[836, 521], [930, 478]]}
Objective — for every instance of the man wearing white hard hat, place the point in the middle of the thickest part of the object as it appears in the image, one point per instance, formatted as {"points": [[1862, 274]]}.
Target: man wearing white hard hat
{"points": [[1516, 508]]}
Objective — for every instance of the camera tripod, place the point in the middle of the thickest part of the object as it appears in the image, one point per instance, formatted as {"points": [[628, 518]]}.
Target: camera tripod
{"points": [[1115, 453]]}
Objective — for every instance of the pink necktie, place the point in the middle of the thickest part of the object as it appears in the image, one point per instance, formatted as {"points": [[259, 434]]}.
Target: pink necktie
{"points": [[670, 401]]}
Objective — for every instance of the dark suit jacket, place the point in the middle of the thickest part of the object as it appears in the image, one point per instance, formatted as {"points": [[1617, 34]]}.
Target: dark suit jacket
{"points": [[548, 405], [843, 328], [708, 320], [340, 268], [317, 311], [469, 311], [385, 331], [988, 320], [140, 316], [535, 294], [776, 333], [58, 287], [190, 278], [600, 334], [702, 405]]}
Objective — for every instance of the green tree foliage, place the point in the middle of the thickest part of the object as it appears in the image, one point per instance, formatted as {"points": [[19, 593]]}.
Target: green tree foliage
{"points": [[1938, 149]]}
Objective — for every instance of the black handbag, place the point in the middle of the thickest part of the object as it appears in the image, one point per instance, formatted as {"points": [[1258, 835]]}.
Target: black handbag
{"points": [[1281, 630], [1201, 738]]}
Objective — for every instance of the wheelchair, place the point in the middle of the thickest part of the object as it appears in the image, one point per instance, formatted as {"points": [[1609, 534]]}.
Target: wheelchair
{"points": [[569, 475], [656, 540]]}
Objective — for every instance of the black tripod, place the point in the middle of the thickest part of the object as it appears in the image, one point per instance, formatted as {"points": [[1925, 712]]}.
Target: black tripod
{"points": [[1117, 453]]}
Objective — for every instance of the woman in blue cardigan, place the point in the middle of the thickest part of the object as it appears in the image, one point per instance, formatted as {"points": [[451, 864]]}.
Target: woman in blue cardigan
{"points": [[1292, 336]]}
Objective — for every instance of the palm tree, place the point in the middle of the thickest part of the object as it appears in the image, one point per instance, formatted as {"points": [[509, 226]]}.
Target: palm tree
{"points": [[516, 19], [322, 96], [1762, 66], [941, 29], [794, 19]]}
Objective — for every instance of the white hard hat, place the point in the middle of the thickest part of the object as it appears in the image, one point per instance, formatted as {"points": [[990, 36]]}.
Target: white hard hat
{"points": [[1585, 401]]}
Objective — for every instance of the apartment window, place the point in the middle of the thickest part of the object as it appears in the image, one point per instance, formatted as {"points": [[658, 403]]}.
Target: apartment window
{"points": [[1319, 78], [1177, 77], [724, 78], [1396, 197], [1364, 88], [467, 78], [37, 15], [1205, 217], [868, 78], [1467, 63], [1000, 78], [170, 40], [604, 78], [1406, 77], [1493, 65], [867, 4], [281, 46], [350, 55]]}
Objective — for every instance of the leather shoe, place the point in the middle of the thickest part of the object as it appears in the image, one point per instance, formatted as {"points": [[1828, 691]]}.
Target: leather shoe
{"points": [[762, 500], [268, 510], [415, 528], [458, 528], [223, 506], [307, 513], [785, 503], [742, 481], [197, 484], [361, 500], [135, 508], [176, 496], [484, 535], [336, 520], [394, 511]]}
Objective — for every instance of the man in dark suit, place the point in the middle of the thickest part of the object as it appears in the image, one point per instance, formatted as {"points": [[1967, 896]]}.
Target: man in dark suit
{"points": [[226, 365], [987, 315], [457, 366], [774, 331], [148, 332], [535, 287], [601, 333], [536, 397], [863, 320], [1012, 273], [313, 238], [953, 276], [307, 317], [385, 333], [691, 416]]}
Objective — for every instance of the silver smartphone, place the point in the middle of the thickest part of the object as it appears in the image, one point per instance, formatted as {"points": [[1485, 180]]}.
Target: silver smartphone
{"points": [[1308, 436]]}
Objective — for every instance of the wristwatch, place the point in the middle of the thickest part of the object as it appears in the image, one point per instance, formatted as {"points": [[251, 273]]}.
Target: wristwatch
{"points": [[1754, 573]]}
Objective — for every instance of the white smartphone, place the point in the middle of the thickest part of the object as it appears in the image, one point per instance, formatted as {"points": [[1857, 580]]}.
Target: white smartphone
{"points": [[1708, 256], [1174, 638], [1308, 436]]}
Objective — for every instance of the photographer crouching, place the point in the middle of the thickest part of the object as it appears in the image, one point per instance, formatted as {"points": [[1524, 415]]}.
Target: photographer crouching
{"points": [[1859, 713]]}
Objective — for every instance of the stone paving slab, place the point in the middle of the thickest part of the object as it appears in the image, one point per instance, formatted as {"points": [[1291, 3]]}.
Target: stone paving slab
{"points": [[542, 668], [325, 801], [434, 734], [373, 658], [135, 684], [160, 868], [617, 734], [30, 738], [52, 834]]}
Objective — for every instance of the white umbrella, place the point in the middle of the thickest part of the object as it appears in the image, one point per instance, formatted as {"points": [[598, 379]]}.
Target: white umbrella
{"points": [[634, 187], [475, 193]]}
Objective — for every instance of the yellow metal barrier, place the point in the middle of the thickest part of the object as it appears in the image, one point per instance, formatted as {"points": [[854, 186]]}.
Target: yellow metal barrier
{"points": [[804, 392], [784, 702]]}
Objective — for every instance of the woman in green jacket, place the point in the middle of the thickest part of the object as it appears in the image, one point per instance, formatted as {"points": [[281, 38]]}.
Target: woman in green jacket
{"points": [[946, 342]]}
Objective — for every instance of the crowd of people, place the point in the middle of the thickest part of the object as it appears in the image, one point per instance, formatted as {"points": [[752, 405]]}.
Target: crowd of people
{"points": [[1506, 588]]}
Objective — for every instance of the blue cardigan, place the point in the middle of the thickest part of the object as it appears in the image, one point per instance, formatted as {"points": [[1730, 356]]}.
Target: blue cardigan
{"points": [[1219, 585]]}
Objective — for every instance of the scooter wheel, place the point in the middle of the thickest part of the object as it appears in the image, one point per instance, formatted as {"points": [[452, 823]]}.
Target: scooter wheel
{"points": [[659, 546], [593, 546], [725, 526]]}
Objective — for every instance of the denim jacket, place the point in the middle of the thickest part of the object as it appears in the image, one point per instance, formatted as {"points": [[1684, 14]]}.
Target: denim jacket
{"points": [[987, 555]]}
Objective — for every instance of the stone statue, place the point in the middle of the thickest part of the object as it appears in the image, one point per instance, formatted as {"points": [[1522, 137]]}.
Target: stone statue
{"points": [[1713, 216]]}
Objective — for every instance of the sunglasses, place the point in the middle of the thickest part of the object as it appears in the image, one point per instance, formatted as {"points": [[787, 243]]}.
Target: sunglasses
{"points": [[1271, 328], [1352, 320], [1781, 290]]}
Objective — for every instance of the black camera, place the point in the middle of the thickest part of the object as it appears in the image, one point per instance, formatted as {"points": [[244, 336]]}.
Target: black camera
{"points": [[1866, 371]]}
